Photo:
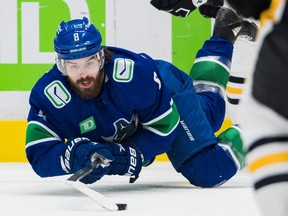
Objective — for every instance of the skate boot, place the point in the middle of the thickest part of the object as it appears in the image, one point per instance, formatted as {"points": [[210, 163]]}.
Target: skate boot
{"points": [[229, 25], [231, 140]]}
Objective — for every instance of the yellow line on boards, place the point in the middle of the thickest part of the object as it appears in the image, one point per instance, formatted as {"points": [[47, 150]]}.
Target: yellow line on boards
{"points": [[12, 144]]}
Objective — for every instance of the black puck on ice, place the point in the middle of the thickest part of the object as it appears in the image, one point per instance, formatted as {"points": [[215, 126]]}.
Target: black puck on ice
{"points": [[121, 206]]}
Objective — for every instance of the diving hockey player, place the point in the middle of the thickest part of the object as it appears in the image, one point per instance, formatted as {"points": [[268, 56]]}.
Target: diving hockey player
{"points": [[122, 108]]}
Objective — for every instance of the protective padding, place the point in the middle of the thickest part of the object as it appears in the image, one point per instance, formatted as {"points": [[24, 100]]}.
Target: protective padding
{"points": [[211, 167], [210, 71]]}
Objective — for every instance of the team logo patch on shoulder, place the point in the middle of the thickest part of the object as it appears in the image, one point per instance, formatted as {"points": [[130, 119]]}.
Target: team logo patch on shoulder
{"points": [[57, 94], [123, 70]]}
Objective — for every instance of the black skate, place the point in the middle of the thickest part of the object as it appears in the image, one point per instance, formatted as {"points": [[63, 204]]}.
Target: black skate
{"points": [[248, 31], [210, 8], [229, 25]]}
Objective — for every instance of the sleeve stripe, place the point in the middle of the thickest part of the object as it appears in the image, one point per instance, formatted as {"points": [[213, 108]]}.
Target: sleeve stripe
{"points": [[45, 127], [160, 133], [166, 123], [226, 64], [161, 116], [40, 141]]}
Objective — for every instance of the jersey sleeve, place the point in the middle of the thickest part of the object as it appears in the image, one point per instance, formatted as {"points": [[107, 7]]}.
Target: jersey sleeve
{"points": [[44, 143]]}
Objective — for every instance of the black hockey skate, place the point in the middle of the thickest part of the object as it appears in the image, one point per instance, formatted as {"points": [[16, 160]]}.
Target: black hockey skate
{"points": [[229, 25], [248, 31], [210, 8]]}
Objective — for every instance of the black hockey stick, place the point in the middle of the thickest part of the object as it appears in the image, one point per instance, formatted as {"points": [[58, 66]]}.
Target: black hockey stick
{"points": [[96, 196]]}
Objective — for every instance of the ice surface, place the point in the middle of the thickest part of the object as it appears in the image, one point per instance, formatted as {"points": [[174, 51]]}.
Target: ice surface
{"points": [[158, 191]]}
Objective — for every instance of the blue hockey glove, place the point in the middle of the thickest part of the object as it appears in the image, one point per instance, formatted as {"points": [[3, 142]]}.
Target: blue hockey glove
{"points": [[120, 159]]}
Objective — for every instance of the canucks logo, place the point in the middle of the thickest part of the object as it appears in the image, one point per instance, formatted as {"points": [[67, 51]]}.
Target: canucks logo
{"points": [[57, 94], [123, 70]]}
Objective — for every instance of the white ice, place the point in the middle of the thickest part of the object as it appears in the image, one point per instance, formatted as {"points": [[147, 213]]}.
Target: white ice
{"points": [[158, 191]]}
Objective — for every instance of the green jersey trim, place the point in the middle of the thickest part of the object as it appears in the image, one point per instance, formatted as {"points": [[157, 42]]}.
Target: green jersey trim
{"points": [[164, 124], [37, 133]]}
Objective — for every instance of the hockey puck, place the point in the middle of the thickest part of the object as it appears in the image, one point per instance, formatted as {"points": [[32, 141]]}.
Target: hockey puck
{"points": [[121, 206]]}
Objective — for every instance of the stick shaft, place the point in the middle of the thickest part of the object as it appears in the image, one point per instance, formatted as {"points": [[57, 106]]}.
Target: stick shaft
{"points": [[84, 171], [94, 195]]}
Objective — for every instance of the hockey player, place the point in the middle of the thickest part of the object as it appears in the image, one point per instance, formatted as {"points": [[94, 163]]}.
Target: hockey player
{"points": [[123, 109], [264, 112]]}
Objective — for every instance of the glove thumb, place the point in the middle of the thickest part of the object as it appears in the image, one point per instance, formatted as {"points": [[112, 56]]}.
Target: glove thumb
{"points": [[103, 156]]}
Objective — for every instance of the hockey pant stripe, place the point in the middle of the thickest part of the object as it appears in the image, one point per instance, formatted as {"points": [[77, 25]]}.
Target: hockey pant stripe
{"points": [[270, 180]]}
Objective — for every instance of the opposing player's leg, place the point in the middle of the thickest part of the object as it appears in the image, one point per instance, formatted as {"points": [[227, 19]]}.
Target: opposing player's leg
{"points": [[266, 143], [207, 161], [264, 115]]}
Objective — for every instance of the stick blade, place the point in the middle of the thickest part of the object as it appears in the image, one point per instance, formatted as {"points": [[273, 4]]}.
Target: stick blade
{"points": [[96, 196]]}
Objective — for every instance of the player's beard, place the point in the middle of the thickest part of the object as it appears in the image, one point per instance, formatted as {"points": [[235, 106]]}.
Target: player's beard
{"points": [[91, 92]]}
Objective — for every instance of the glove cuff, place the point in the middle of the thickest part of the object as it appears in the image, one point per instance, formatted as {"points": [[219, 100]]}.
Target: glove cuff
{"points": [[67, 158]]}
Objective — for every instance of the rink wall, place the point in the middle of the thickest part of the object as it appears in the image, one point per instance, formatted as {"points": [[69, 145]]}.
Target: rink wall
{"points": [[12, 133], [26, 48]]}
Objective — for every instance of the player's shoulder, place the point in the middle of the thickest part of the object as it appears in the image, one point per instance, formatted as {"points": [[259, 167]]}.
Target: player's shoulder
{"points": [[52, 79], [127, 66], [130, 76]]}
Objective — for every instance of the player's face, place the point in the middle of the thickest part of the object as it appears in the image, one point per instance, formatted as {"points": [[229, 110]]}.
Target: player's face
{"points": [[84, 76]]}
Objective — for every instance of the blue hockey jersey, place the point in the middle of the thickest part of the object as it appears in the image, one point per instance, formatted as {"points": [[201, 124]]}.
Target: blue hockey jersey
{"points": [[134, 106]]}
